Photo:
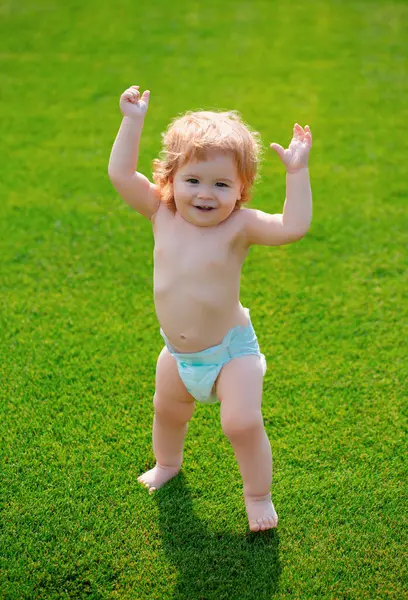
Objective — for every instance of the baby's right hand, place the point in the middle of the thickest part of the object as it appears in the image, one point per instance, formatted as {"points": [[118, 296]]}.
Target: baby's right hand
{"points": [[132, 105]]}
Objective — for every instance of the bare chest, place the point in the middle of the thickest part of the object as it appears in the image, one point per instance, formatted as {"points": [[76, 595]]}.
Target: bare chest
{"points": [[182, 249]]}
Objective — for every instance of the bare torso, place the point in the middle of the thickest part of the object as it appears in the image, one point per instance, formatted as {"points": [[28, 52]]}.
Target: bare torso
{"points": [[197, 273]]}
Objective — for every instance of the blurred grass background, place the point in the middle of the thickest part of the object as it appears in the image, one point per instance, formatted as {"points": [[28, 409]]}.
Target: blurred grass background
{"points": [[79, 336]]}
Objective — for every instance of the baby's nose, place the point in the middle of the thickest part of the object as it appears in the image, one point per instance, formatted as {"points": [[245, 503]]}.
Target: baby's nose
{"points": [[205, 192]]}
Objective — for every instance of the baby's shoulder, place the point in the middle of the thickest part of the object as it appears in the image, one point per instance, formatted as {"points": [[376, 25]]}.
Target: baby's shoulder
{"points": [[237, 229], [242, 215], [164, 213]]}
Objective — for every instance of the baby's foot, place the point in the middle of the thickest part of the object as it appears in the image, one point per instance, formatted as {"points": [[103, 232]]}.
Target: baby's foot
{"points": [[158, 476], [261, 513]]}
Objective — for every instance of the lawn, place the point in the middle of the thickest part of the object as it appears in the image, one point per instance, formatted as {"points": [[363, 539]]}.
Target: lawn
{"points": [[79, 336]]}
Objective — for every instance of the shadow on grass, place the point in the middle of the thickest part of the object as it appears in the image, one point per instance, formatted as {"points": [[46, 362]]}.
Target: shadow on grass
{"points": [[210, 564]]}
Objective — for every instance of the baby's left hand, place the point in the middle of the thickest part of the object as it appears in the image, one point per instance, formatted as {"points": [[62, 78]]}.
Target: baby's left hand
{"points": [[296, 157]]}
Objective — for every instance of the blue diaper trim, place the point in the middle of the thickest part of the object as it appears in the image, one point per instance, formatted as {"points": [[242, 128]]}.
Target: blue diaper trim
{"points": [[199, 370]]}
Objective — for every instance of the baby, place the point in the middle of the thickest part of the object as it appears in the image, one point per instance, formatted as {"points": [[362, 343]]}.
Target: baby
{"points": [[202, 235]]}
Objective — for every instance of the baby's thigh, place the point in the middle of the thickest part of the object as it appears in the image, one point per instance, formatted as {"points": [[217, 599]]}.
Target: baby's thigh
{"points": [[239, 388], [171, 393]]}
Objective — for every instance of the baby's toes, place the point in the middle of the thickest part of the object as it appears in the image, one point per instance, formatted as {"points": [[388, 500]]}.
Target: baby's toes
{"points": [[254, 526], [265, 523]]}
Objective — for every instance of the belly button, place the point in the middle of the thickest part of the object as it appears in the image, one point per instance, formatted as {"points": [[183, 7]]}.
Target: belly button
{"points": [[183, 337]]}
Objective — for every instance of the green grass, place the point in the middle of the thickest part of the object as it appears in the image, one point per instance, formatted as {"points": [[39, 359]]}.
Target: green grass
{"points": [[80, 337]]}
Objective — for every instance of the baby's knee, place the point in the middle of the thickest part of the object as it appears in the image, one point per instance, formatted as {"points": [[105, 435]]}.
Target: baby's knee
{"points": [[172, 410], [238, 426]]}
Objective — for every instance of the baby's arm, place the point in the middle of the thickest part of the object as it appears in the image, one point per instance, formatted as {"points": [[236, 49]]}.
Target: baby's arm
{"points": [[134, 187], [276, 230]]}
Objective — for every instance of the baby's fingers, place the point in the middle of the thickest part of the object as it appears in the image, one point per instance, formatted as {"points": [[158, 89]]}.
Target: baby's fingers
{"points": [[132, 94], [280, 151], [135, 96], [308, 135], [146, 97], [298, 132]]}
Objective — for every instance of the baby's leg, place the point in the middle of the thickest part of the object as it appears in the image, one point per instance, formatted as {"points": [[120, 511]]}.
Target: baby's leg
{"points": [[173, 408], [239, 388]]}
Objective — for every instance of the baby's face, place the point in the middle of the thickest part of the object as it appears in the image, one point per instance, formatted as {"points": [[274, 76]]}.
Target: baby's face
{"points": [[206, 191]]}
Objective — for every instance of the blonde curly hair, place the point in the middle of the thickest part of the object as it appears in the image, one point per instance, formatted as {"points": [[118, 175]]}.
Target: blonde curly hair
{"points": [[192, 135]]}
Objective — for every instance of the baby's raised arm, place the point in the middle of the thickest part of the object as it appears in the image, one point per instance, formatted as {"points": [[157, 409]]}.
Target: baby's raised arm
{"points": [[133, 187], [290, 226]]}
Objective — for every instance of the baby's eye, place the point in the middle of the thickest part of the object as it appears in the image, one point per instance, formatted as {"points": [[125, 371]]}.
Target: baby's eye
{"points": [[192, 180], [221, 184]]}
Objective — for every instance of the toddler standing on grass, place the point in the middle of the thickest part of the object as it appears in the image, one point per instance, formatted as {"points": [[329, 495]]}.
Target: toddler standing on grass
{"points": [[202, 236]]}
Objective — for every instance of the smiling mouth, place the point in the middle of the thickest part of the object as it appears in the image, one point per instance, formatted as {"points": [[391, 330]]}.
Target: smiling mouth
{"points": [[204, 208]]}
